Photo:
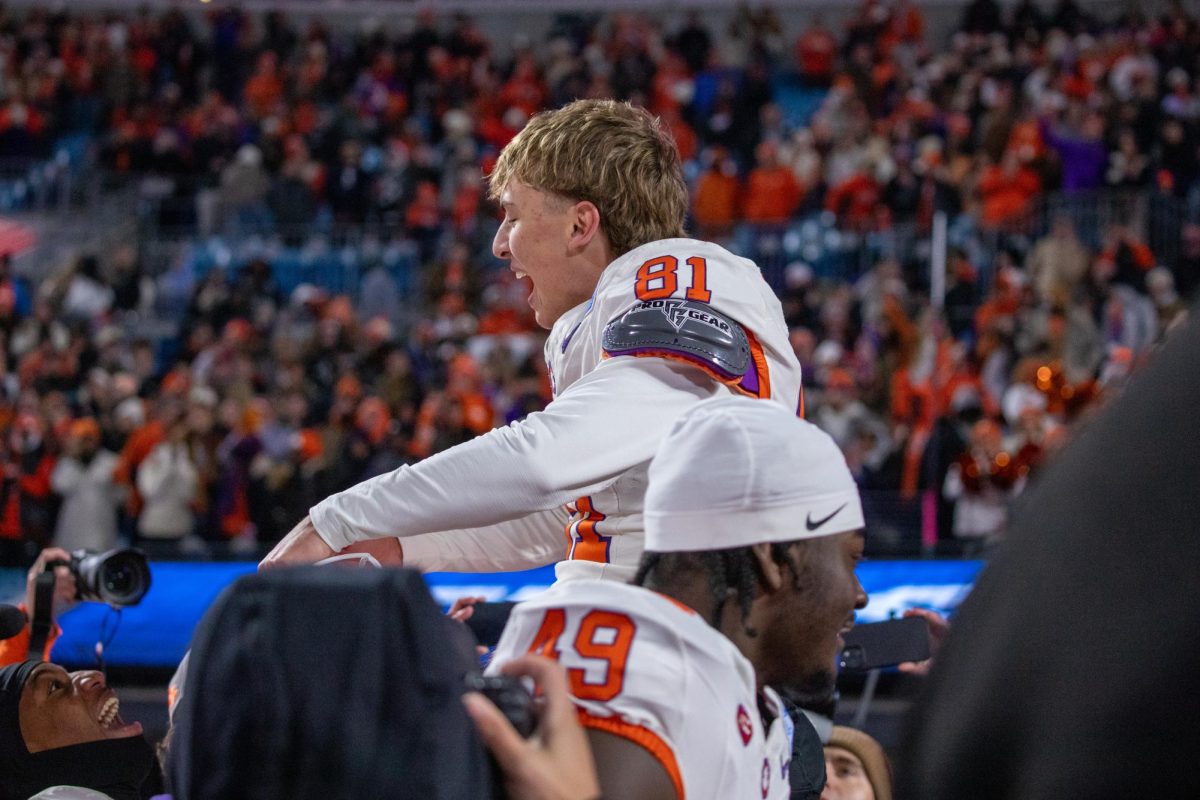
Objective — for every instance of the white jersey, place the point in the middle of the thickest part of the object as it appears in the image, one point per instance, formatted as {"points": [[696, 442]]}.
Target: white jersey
{"points": [[567, 483], [649, 669], [605, 531]]}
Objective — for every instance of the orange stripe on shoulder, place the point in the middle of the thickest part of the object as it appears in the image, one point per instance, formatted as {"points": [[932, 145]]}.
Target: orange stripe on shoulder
{"points": [[760, 365], [682, 359], [643, 737]]}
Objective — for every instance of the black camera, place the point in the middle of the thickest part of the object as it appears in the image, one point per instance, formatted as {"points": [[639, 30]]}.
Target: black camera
{"points": [[510, 696], [117, 577]]}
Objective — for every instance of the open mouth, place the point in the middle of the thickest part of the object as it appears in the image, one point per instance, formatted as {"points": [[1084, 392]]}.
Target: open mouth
{"points": [[841, 636], [109, 718], [109, 712]]}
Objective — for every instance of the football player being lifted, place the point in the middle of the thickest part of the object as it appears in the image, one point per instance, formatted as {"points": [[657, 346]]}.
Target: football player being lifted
{"points": [[644, 323]]}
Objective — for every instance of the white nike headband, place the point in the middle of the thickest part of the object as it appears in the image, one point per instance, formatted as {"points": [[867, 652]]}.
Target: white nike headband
{"points": [[736, 471]]}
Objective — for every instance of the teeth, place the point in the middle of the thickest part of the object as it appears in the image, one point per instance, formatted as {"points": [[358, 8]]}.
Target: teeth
{"points": [[108, 711]]}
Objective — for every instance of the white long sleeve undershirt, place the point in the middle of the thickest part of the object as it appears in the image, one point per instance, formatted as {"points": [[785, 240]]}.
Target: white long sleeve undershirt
{"points": [[606, 423]]}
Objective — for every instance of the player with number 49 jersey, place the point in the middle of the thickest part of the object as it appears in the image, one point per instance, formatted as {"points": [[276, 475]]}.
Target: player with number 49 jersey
{"points": [[754, 529], [648, 669]]}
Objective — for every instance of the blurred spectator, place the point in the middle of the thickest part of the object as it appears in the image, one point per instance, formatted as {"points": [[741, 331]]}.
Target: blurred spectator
{"points": [[1058, 262], [83, 478], [962, 295], [772, 193], [168, 482], [26, 504], [843, 416], [715, 202], [349, 186], [141, 440], [981, 482], [816, 53], [855, 200], [87, 296], [1082, 153], [1128, 166], [694, 42], [1006, 190], [244, 186]]}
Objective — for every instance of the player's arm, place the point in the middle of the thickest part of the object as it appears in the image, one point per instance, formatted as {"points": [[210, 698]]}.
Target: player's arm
{"points": [[531, 541], [627, 769], [610, 420]]}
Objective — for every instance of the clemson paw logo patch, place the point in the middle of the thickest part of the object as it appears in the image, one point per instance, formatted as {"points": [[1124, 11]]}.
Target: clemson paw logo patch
{"points": [[745, 727]]}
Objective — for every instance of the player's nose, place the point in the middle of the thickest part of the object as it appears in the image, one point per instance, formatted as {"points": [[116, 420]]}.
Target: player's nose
{"points": [[500, 245]]}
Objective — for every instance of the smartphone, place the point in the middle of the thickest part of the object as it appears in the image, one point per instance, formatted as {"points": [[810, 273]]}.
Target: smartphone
{"points": [[875, 645]]}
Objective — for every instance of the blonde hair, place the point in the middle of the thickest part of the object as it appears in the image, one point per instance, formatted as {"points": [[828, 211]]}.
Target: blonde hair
{"points": [[615, 156]]}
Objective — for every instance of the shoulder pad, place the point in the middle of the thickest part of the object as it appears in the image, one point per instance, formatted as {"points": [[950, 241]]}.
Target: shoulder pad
{"points": [[684, 329]]}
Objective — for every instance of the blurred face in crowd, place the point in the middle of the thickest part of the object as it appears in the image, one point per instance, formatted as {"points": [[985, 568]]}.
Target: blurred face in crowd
{"points": [[87, 445], [801, 617], [60, 709], [538, 239], [845, 778]]}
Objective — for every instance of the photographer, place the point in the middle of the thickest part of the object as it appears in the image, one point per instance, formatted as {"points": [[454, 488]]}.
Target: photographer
{"points": [[14, 649]]}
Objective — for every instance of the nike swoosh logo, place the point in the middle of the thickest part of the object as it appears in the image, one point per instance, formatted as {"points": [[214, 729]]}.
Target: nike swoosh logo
{"points": [[812, 526]]}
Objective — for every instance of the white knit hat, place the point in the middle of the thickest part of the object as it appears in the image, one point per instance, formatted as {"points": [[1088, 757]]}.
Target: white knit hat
{"points": [[736, 471]]}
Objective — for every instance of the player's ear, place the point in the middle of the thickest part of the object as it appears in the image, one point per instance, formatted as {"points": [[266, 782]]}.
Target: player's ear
{"points": [[585, 224], [768, 570]]}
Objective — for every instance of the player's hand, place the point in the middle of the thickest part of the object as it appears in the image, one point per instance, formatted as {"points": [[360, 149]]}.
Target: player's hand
{"points": [[302, 545], [939, 627], [464, 608], [556, 764], [64, 582]]}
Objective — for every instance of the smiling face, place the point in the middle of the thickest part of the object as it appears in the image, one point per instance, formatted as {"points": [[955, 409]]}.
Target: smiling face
{"points": [[802, 621], [60, 709], [538, 239]]}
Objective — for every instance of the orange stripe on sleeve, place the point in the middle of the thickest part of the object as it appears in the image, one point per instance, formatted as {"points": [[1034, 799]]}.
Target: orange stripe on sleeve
{"points": [[584, 541], [643, 737]]}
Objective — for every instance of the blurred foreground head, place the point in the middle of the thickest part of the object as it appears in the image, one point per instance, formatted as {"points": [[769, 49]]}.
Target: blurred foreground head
{"points": [[321, 683]]}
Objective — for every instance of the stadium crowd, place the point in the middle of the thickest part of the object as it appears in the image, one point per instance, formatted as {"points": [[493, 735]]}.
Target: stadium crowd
{"points": [[273, 395]]}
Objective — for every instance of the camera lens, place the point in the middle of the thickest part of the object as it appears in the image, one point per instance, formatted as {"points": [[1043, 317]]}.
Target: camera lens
{"points": [[124, 578], [119, 580], [118, 577]]}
